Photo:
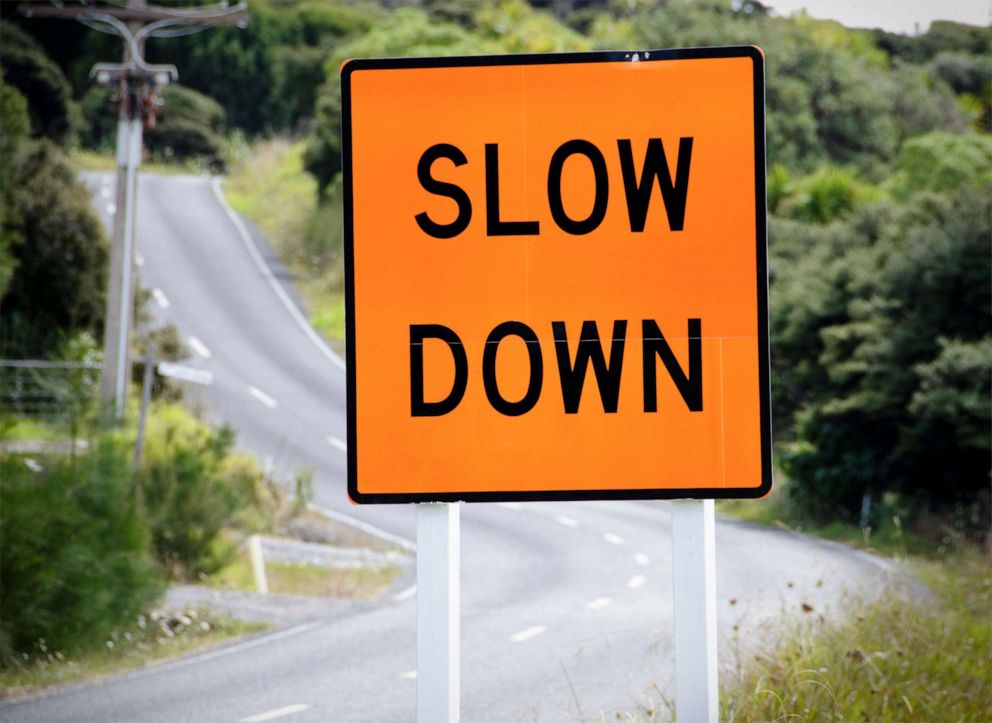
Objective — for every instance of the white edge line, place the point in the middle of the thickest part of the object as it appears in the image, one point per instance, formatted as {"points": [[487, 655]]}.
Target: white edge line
{"points": [[277, 713], [270, 277], [364, 527], [237, 647], [528, 633]]}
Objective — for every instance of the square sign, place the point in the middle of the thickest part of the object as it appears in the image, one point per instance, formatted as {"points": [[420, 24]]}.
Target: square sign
{"points": [[556, 276]]}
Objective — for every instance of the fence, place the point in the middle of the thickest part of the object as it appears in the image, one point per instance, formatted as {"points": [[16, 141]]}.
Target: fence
{"points": [[48, 390]]}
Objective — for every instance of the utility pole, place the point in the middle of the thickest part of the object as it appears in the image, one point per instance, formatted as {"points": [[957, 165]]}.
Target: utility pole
{"points": [[137, 84]]}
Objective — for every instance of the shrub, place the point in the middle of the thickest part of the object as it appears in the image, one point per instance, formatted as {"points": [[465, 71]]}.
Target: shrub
{"points": [[74, 552], [192, 487]]}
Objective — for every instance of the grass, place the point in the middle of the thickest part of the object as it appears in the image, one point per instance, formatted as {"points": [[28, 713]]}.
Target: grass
{"points": [[26, 428], [904, 658], [268, 184], [86, 160], [312, 580], [152, 639]]}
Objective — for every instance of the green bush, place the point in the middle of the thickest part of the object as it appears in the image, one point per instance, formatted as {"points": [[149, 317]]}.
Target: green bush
{"points": [[192, 487], [75, 561]]}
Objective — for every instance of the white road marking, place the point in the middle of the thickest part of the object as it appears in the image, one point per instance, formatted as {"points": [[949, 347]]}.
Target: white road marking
{"points": [[364, 527], [409, 675], [32, 465], [509, 505], [405, 594], [636, 581], [273, 282], [338, 443], [199, 347], [566, 521], [612, 539], [111, 208], [236, 648], [139, 260], [160, 298], [528, 633], [263, 397], [641, 559], [599, 603], [277, 713], [105, 191]]}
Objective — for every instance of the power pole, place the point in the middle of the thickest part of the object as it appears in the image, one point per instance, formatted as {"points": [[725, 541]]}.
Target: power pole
{"points": [[137, 84]]}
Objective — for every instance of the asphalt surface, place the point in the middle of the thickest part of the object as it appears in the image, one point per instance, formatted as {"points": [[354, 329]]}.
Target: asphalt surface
{"points": [[566, 607]]}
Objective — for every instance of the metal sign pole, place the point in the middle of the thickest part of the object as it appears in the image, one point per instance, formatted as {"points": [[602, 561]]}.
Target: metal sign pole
{"points": [[694, 589], [438, 612]]}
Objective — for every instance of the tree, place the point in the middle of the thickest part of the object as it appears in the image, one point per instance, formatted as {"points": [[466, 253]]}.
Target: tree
{"points": [[60, 273], [41, 82]]}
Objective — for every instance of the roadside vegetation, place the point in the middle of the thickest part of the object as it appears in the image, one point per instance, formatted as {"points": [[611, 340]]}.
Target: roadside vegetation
{"points": [[904, 658], [147, 639], [879, 198]]}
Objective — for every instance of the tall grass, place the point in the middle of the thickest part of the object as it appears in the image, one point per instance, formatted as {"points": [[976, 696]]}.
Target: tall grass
{"points": [[907, 657], [268, 185]]}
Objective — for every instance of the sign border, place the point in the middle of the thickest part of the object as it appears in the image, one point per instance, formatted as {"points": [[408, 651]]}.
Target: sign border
{"points": [[650, 56]]}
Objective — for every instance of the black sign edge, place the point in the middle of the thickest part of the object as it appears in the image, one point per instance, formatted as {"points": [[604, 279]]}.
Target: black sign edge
{"points": [[761, 242]]}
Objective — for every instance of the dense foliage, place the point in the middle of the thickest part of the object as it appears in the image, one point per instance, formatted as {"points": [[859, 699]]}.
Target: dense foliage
{"points": [[54, 255], [75, 556], [880, 173], [87, 541]]}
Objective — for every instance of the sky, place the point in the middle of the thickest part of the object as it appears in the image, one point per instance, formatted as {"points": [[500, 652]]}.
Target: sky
{"points": [[897, 16]]}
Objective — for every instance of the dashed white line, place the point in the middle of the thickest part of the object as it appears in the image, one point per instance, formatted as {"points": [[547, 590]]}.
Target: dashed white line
{"points": [[509, 505], [612, 539], [199, 347], [277, 713], [139, 260], [636, 581], [111, 208], [32, 465], [160, 298], [105, 192], [409, 675], [599, 603], [338, 443], [405, 594], [263, 397], [528, 633], [566, 521], [641, 559]]}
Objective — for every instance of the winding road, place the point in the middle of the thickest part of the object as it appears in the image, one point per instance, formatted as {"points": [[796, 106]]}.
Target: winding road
{"points": [[566, 607]]}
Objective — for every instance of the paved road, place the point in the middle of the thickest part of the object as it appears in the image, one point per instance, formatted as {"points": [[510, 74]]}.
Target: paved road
{"points": [[567, 607]]}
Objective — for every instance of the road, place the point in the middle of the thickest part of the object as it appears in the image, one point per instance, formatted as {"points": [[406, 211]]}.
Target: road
{"points": [[566, 607]]}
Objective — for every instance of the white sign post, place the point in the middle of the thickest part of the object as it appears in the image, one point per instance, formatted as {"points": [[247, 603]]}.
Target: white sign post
{"points": [[694, 589], [438, 612]]}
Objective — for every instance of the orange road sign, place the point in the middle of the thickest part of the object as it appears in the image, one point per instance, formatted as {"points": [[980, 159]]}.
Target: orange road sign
{"points": [[556, 280]]}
